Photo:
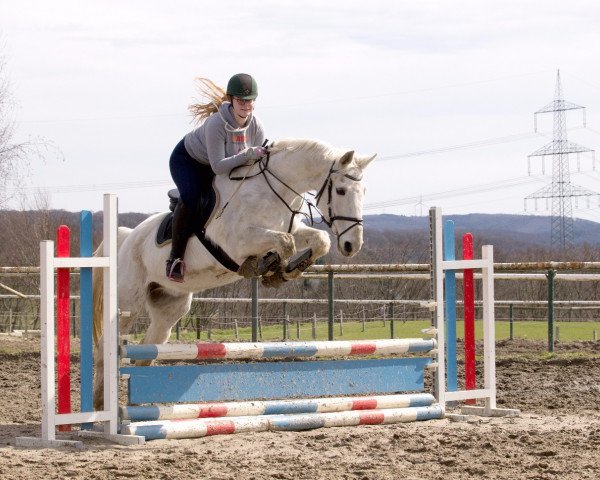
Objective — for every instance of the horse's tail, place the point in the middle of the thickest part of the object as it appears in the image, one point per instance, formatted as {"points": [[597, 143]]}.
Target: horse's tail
{"points": [[98, 287], [97, 297]]}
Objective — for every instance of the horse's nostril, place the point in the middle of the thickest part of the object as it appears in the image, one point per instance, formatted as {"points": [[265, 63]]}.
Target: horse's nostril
{"points": [[348, 247]]}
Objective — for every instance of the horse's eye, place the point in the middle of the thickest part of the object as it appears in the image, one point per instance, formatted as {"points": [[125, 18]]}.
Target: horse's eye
{"points": [[340, 191]]}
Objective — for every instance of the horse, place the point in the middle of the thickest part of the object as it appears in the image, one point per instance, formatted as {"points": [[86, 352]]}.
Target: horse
{"points": [[257, 221]]}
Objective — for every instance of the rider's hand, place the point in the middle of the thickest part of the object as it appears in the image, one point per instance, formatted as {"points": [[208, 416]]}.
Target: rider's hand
{"points": [[255, 153]]}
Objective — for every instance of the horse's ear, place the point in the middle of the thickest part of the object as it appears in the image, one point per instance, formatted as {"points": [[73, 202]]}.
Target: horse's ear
{"points": [[346, 158], [364, 161]]}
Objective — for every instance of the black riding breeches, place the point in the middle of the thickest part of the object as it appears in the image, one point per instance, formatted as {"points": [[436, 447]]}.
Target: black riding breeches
{"points": [[193, 179]]}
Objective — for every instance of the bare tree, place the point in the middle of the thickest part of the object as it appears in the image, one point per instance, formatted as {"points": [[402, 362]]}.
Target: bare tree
{"points": [[14, 161]]}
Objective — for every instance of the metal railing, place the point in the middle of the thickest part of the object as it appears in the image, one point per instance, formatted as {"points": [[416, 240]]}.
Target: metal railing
{"points": [[550, 272]]}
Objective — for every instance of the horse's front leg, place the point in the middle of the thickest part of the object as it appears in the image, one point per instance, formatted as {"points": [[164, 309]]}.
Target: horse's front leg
{"points": [[265, 250]]}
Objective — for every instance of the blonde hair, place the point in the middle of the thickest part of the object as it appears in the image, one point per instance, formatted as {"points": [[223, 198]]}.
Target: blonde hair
{"points": [[215, 95]]}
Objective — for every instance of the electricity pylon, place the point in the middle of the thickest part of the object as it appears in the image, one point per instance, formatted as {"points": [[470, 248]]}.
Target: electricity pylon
{"points": [[561, 191]]}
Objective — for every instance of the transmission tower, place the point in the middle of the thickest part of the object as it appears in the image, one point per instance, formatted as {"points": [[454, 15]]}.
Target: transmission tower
{"points": [[561, 191]]}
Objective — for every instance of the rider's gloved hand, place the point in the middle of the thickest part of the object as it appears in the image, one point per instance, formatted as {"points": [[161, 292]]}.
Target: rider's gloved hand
{"points": [[255, 153]]}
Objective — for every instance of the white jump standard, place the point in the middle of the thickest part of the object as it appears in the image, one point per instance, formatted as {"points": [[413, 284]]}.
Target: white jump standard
{"points": [[109, 416]]}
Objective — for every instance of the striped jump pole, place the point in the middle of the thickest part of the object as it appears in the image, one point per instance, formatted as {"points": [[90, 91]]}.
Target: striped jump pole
{"points": [[258, 350], [274, 407], [179, 429], [289, 390]]}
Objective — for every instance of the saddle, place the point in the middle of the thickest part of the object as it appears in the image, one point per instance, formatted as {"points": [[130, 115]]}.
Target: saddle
{"points": [[207, 204]]}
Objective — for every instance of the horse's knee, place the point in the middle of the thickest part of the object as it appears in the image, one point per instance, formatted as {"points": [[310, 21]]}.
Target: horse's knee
{"points": [[321, 245]]}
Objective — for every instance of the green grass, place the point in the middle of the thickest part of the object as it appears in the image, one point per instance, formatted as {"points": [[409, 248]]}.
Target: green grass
{"points": [[529, 330]]}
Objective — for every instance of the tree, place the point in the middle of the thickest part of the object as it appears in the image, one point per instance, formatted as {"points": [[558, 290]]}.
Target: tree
{"points": [[14, 156]]}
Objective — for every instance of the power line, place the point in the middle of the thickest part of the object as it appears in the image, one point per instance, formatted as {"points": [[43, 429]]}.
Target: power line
{"points": [[479, 143], [101, 187], [155, 183], [290, 105], [108, 117], [469, 190]]}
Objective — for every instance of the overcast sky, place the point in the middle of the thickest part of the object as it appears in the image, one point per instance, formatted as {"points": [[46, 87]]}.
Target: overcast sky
{"points": [[443, 91]]}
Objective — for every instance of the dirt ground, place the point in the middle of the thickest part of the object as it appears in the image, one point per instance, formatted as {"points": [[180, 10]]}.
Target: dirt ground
{"points": [[556, 437]]}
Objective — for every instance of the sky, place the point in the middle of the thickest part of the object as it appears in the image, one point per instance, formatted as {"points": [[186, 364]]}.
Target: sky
{"points": [[443, 91]]}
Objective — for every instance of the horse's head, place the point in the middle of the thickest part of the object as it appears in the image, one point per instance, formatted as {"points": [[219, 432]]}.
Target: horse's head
{"points": [[340, 201]]}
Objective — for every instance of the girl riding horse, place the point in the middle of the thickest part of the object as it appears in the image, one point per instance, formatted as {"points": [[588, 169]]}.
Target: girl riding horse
{"points": [[229, 136]]}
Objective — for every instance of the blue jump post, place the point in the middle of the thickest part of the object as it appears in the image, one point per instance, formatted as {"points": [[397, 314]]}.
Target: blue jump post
{"points": [[450, 297], [86, 340]]}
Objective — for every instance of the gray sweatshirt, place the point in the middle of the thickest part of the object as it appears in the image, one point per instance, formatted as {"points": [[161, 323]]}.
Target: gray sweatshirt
{"points": [[220, 144]]}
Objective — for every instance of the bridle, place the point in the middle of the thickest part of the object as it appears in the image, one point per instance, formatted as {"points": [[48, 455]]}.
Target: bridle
{"points": [[263, 165], [332, 217]]}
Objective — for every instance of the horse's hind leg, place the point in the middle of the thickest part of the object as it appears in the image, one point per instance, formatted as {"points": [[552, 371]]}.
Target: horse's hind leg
{"points": [[98, 389], [164, 309]]}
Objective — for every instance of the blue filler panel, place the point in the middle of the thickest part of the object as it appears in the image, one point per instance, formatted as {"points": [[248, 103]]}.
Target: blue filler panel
{"points": [[273, 380]]}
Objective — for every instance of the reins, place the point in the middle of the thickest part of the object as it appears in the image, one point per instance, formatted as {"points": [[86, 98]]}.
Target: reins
{"points": [[263, 166], [241, 181]]}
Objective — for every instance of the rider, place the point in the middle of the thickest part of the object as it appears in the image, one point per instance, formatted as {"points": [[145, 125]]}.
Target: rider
{"points": [[229, 136]]}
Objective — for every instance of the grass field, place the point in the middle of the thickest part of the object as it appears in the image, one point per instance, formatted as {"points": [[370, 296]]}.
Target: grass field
{"points": [[528, 330]]}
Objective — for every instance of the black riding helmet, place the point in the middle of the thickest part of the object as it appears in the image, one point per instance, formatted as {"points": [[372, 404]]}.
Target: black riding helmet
{"points": [[243, 86]]}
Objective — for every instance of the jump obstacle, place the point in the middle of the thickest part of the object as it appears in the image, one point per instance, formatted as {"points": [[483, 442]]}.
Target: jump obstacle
{"points": [[248, 393]]}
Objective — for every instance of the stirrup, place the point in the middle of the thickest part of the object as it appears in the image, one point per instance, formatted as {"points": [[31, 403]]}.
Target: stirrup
{"points": [[175, 270]]}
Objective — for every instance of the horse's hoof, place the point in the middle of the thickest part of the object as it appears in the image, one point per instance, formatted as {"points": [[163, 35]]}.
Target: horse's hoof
{"points": [[269, 263], [274, 281], [301, 262], [249, 268]]}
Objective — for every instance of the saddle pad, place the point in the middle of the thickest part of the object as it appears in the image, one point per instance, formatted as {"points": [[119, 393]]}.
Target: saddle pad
{"points": [[164, 234]]}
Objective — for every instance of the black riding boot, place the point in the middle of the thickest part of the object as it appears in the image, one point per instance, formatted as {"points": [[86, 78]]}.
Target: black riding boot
{"points": [[183, 217]]}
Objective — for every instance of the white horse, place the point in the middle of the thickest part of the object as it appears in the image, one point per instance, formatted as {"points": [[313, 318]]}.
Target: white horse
{"points": [[256, 221]]}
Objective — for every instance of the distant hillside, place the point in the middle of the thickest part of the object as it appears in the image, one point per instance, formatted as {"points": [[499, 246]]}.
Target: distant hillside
{"points": [[385, 235], [523, 230]]}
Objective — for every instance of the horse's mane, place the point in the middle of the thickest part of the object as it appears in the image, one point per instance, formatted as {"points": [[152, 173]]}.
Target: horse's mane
{"points": [[307, 146]]}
